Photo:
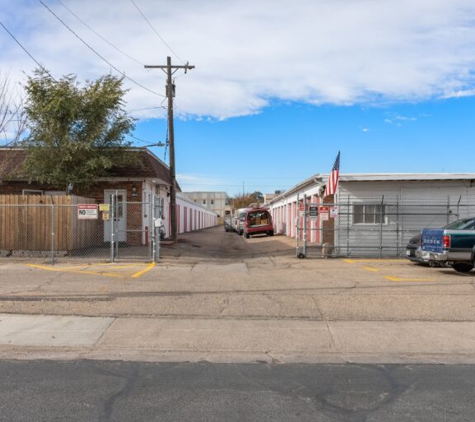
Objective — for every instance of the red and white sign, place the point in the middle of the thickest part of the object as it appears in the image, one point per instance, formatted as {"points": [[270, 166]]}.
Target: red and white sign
{"points": [[87, 211], [323, 212]]}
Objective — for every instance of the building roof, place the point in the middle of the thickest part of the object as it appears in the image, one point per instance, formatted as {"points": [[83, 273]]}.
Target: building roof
{"points": [[148, 167], [321, 179], [396, 177]]}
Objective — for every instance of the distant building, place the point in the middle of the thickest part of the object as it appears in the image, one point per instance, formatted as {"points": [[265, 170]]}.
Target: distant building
{"points": [[212, 201], [269, 196]]}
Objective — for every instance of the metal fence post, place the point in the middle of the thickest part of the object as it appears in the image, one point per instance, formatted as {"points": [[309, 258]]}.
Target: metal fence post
{"points": [[448, 209], [348, 227], [305, 225], [398, 232], [381, 215], [296, 222], [154, 229], [112, 217], [52, 231]]}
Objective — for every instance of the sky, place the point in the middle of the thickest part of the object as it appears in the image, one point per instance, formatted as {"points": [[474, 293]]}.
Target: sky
{"points": [[279, 86]]}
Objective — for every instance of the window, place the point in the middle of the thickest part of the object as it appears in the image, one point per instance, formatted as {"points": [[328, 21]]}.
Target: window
{"points": [[466, 224], [204, 201], [369, 214], [212, 202]]}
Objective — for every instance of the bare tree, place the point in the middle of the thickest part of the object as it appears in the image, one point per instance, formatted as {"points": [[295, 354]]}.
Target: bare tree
{"points": [[12, 115], [12, 120]]}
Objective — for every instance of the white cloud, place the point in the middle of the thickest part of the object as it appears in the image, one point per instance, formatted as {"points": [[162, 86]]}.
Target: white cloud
{"points": [[249, 53], [201, 183]]}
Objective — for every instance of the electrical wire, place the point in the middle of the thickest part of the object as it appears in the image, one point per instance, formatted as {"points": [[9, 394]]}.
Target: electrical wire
{"points": [[99, 35], [147, 108], [156, 32], [26, 51], [140, 140], [97, 54]]}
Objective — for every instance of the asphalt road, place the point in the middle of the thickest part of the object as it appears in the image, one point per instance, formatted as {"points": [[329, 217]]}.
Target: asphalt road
{"points": [[46, 391]]}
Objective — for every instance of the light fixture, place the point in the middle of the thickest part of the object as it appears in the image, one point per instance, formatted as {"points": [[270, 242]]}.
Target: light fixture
{"points": [[134, 190], [158, 144]]}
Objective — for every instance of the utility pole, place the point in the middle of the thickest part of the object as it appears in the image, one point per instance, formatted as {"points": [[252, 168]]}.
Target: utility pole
{"points": [[170, 91]]}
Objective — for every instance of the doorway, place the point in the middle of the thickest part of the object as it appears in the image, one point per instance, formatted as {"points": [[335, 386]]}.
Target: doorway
{"points": [[119, 213]]}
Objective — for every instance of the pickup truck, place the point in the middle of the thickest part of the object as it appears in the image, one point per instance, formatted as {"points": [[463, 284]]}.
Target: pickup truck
{"points": [[453, 245]]}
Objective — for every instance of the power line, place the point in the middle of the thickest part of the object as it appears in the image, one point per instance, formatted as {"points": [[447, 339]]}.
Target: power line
{"points": [[148, 108], [99, 35], [156, 32], [97, 54], [25, 50]]}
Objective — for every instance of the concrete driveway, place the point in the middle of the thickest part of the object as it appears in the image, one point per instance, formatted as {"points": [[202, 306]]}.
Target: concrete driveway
{"points": [[218, 296]]}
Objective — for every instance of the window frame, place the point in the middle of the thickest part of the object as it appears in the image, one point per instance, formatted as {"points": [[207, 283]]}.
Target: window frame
{"points": [[366, 213]]}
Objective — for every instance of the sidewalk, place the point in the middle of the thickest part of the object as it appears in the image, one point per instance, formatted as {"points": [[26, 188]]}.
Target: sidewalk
{"points": [[154, 339]]}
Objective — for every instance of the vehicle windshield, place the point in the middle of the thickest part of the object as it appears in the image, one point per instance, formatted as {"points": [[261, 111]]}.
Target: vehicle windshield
{"points": [[465, 224]]}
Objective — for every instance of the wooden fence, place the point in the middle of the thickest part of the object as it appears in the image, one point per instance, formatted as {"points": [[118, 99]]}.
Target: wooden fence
{"points": [[27, 223]]}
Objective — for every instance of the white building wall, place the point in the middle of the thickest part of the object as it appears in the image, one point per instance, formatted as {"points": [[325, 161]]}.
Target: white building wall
{"points": [[409, 206], [414, 204], [285, 212], [193, 216]]}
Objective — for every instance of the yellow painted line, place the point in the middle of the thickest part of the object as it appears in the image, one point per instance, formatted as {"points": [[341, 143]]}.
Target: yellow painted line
{"points": [[353, 261], [77, 270], [79, 266], [42, 267], [407, 279], [374, 270], [136, 275]]}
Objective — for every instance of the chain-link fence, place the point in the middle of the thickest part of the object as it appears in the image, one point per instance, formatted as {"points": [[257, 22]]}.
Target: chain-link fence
{"points": [[372, 227], [60, 227]]}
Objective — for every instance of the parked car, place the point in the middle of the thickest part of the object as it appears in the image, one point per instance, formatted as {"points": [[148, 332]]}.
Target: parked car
{"points": [[238, 220], [258, 221], [453, 245], [414, 250], [228, 226]]}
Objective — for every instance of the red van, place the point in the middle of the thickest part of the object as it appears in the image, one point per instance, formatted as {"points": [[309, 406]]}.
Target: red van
{"points": [[258, 221]]}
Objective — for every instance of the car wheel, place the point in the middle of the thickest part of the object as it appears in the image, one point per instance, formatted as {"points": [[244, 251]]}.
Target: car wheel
{"points": [[462, 268], [246, 235], [270, 233]]}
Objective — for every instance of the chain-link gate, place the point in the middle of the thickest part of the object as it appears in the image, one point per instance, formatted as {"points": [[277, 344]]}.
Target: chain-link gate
{"points": [[136, 229], [371, 227]]}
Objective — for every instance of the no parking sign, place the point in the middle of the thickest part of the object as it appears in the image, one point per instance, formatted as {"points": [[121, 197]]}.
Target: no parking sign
{"points": [[87, 212]]}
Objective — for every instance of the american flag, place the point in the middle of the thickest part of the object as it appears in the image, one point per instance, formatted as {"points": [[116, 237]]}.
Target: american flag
{"points": [[332, 183]]}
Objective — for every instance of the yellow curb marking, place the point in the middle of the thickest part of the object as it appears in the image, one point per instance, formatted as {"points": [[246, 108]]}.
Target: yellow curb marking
{"points": [[85, 266], [144, 270], [356, 261], [390, 278], [42, 267], [407, 279], [79, 270]]}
